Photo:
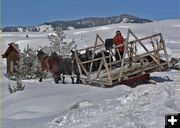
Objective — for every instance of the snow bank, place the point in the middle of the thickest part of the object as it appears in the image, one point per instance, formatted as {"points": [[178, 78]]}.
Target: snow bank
{"points": [[49, 105]]}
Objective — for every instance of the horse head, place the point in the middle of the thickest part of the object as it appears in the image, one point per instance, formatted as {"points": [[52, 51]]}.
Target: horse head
{"points": [[73, 54], [88, 54], [54, 54], [40, 54]]}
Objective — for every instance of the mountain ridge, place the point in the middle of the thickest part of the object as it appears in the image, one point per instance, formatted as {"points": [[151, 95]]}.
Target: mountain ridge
{"points": [[77, 24]]}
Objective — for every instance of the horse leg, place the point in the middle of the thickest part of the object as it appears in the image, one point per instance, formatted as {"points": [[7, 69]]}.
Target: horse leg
{"points": [[59, 77], [42, 72], [78, 80], [56, 78], [63, 79], [72, 78], [40, 80]]}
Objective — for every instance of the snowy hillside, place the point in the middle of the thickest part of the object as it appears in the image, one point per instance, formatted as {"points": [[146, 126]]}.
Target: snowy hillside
{"points": [[50, 105], [80, 23]]}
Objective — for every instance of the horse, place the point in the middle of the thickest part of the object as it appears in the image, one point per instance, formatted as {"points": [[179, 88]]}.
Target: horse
{"points": [[109, 43], [86, 57], [44, 60], [98, 62], [57, 65], [61, 66], [83, 57]]}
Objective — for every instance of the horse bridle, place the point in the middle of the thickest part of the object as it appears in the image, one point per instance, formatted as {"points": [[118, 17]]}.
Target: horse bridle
{"points": [[43, 56]]}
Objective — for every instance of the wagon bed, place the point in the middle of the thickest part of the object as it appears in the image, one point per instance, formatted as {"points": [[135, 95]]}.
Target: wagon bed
{"points": [[141, 57]]}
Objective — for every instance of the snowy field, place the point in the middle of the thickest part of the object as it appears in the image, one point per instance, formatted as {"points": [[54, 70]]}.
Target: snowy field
{"points": [[50, 105]]}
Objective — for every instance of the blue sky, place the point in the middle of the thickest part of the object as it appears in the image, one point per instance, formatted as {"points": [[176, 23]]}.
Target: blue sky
{"points": [[35, 12]]}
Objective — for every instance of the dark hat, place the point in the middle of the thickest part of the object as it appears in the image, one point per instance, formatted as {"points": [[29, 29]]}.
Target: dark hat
{"points": [[118, 31]]}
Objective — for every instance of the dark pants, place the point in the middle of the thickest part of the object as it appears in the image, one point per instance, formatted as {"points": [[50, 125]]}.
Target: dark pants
{"points": [[117, 55]]}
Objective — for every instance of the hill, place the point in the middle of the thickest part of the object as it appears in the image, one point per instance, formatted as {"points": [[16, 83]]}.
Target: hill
{"points": [[76, 24]]}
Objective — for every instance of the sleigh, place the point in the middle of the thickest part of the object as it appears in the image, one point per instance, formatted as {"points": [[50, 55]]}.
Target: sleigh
{"points": [[141, 57]]}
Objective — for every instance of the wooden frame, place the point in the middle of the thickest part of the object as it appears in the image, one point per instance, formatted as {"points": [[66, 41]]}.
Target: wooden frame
{"points": [[112, 74]]}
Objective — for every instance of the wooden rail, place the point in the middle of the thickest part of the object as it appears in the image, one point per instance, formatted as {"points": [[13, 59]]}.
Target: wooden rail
{"points": [[130, 56]]}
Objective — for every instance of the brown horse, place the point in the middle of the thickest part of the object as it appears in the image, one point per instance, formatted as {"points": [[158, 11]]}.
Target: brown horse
{"points": [[45, 66], [56, 65]]}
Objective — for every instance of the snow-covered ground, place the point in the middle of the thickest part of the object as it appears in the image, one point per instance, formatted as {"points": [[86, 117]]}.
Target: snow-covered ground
{"points": [[49, 105]]}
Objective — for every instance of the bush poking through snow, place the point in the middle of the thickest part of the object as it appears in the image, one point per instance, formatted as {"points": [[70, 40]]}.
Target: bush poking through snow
{"points": [[18, 87], [10, 88], [175, 63]]}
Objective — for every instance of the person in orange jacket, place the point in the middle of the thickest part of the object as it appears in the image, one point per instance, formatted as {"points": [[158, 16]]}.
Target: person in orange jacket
{"points": [[118, 39]]}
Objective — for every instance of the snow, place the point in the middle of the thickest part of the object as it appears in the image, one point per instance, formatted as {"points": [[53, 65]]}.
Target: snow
{"points": [[80, 32], [50, 105], [45, 28]]}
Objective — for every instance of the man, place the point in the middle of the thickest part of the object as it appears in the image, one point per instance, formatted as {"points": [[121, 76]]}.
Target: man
{"points": [[118, 39]]}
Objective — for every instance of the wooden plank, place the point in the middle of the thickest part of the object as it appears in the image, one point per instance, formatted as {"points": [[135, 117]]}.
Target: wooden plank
{"points": [[135, 57], [164, 48], [92, 60], [99, 69], [115, 72], [110, 75], [127, 40], [109, 64], [77, 61], [101, 39], [122, 64], [80, 63], [90, 47], [107, 69], [91, 65], [145, 38], [145, 47], [145, 69]]}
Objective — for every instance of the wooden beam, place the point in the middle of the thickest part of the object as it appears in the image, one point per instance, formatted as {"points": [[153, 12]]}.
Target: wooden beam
{"points": [[164, 48], [144, 46], [107, 69], [122, 64], [91, 47], [91, 65], [77, 61], [99, 69], [80, 64], [145, 38]]}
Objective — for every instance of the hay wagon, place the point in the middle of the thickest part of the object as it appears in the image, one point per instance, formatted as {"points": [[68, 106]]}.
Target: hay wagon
{"points": [[141, 57]]}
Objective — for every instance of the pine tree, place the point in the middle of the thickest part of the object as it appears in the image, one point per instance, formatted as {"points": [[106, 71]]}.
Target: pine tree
{"points": [[28, 66], [58, 43], [18, 87], [67, 47]]}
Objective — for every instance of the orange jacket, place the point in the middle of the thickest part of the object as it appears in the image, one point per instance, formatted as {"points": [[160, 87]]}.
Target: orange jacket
{"points": [[118, 39]]}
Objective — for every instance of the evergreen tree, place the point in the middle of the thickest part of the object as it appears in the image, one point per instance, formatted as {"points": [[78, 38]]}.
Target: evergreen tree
{"points": [[67, 47], [18, 87], [28, 66], [58, 43]]}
